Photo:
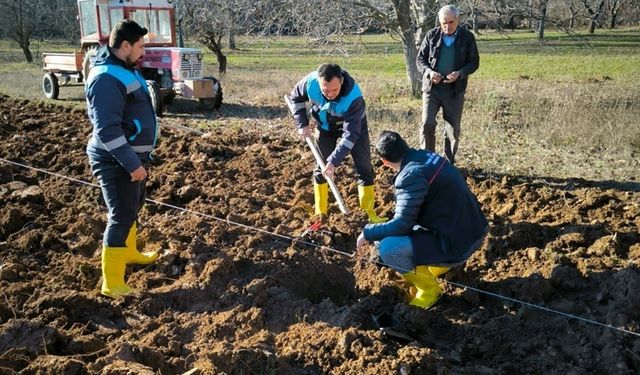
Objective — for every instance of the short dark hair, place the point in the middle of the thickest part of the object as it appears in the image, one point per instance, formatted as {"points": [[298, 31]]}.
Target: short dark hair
{"points": [[127, 30], [329, 71], [391, 146]]}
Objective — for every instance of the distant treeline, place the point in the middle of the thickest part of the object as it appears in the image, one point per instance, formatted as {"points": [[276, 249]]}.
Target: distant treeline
{"points": [[216, 23]]}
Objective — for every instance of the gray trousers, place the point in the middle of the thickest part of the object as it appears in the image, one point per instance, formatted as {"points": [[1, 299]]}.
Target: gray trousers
{"points": [[442, 96]]}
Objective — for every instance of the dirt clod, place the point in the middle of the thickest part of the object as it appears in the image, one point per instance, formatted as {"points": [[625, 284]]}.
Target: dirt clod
{"points": [[224, 298]]}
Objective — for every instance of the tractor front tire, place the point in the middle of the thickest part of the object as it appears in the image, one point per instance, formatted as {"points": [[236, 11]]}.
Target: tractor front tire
{"points": [[216, 101], [50, 86], [156, 97], [167, 97]]}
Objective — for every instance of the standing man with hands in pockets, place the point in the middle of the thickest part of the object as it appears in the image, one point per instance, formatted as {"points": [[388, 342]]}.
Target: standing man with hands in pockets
{"points": [[124, 134], [447, 56]]}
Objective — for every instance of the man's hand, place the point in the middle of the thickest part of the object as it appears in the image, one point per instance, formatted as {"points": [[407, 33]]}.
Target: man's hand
{"points": [[452, 77], [361, 241], [139, 174], [329, 171], [435, 77], [304, 133]]}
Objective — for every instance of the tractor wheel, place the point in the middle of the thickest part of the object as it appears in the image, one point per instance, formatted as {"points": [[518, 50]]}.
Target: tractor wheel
{"points": [[168, 96], [63, 80], [156, 97], [50, 86], [89, 55], [216, 101]]}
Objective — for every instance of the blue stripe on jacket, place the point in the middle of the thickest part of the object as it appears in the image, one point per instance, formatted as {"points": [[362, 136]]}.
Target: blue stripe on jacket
{"points": [[120, 110], [346, 113]]}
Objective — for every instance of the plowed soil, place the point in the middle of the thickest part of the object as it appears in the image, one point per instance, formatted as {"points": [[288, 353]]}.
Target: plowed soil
{"points": [[225, 298]]}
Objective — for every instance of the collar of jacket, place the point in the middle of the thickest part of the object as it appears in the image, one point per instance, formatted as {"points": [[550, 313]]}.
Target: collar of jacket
{"points": [[347, 86], [406, 159], [409, 156], [452, 36], [106, 56], [441, 35]]}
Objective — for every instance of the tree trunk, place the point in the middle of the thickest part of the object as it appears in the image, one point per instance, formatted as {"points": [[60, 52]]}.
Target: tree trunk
{"points": [[232, 40], [425, 18], [20, 29], [574, 14], [593, 23], [24, 44], [213, 44], [405, 28], [410, 55], [27, 54], [572, 22], [543, 18], [612, 24], [615, 7], [474, 19]]}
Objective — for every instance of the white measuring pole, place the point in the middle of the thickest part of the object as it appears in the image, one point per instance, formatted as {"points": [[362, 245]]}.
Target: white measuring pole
{"points": [[320, 161]]}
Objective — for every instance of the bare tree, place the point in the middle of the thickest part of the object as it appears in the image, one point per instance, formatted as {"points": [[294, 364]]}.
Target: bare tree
{"points": [[406, 31], [23, 19], [634, 12], [575, 11], [332, 21], [474, 11], [594, 10], [211, 20], [65, 14], [542, 17], [425, 14], [614, 7], [405, 18]]}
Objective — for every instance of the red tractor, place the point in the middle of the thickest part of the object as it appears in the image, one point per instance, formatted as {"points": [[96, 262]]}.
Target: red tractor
{"points": [[169, 70]]}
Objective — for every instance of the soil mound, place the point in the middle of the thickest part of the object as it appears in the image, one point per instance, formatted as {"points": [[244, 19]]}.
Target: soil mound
{"points": [[225, 299]]}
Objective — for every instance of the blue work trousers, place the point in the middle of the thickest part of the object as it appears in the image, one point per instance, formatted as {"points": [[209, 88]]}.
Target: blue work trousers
{"points": [[123, 198], [398, 253], [360, 152]]}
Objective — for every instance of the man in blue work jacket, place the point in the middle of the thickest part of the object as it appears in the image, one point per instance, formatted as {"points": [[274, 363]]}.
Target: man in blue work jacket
{"points": [[338, 108], [437, 223], [124, 134]]}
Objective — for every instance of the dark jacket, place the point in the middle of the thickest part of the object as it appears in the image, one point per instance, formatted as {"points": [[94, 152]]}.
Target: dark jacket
{"points": [[467, 59], [431, 193], [120, 110], [345, 114]]}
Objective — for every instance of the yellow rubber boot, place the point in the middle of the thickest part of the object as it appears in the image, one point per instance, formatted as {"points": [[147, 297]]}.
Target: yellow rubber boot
{"points": [[132, 255], [321, 197], [113, 267], [428, 290], [438, 271], [367, 199]]}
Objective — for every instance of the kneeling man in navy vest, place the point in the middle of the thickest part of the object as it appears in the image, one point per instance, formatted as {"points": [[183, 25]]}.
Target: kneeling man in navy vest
{"points": [[437, 223]]}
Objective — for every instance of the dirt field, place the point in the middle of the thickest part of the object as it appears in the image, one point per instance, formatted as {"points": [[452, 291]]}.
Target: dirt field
{"points": [[224, 299]]}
